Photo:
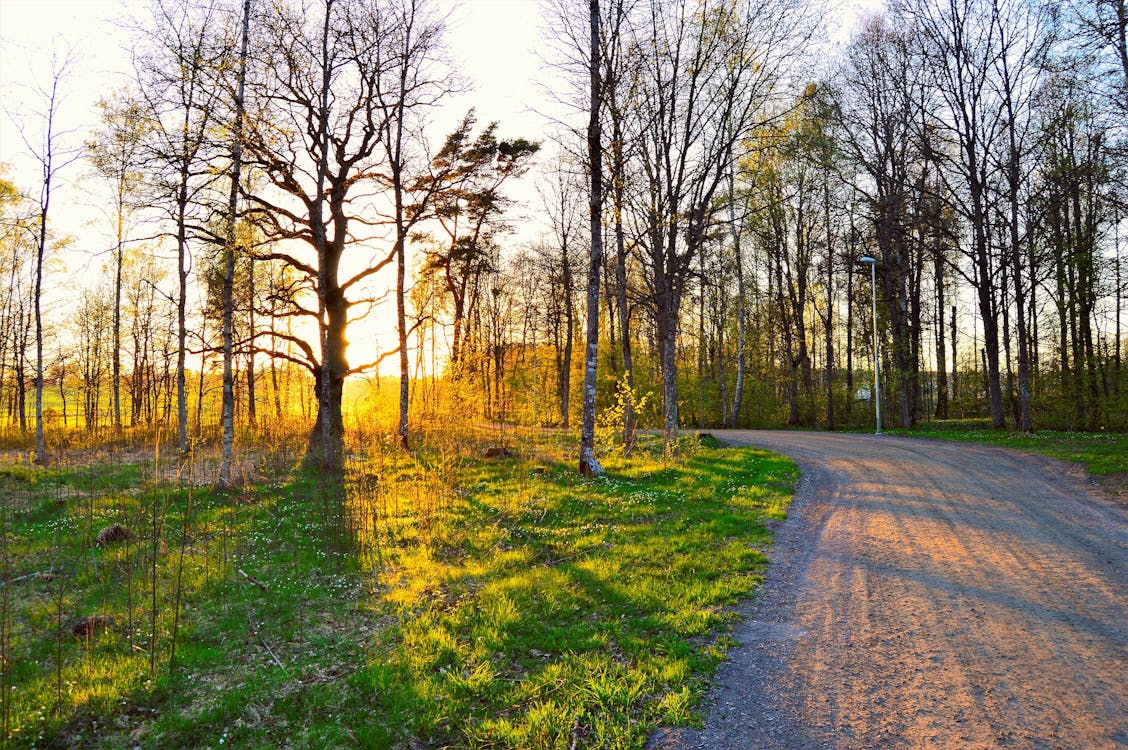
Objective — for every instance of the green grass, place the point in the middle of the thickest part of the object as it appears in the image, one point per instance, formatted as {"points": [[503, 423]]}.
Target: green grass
{"points": [[1100, 452], [443, 599]]}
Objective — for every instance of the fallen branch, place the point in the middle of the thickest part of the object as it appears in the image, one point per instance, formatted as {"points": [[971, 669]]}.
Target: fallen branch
{"points": [[36, 574], [252, 579], [265, 645]]}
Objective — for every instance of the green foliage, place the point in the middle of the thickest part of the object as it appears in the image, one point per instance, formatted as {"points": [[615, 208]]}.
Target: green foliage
{"points": [[611, 420], [439, 598]]}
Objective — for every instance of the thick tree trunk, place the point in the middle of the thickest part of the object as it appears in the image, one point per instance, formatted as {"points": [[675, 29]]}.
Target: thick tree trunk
{"points": [[326, 443]]}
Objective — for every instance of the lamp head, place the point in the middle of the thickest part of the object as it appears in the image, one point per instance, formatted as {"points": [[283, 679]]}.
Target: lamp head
{"points": [[867, 259]]}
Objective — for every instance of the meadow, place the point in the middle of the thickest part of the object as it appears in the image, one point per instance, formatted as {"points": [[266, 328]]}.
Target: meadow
{"points": [[476, 592]]}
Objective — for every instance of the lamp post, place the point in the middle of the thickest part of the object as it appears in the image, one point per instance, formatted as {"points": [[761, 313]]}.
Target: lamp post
{"points": [[876, 355]]}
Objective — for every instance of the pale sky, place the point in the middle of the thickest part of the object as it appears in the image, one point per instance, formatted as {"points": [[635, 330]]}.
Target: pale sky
{"points": [[494, 41], [497, 44]]}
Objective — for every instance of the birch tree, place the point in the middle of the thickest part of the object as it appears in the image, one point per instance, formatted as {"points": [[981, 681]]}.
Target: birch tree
{"points": [[116, 155], [589, 465], [229, 250], [48, 145], [174, 66], [710, 72]]}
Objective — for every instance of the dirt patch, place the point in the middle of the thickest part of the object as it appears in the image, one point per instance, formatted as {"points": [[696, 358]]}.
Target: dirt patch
{"points": [[1116, 485], [927, 594], [114, 534]]}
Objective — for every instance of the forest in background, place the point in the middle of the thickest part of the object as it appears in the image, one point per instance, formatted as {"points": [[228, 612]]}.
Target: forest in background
{"points": [[275, 192]]}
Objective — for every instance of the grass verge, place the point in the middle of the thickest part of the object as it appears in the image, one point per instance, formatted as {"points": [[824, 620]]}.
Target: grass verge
{"points": [[1102, 453], [443, 599]]}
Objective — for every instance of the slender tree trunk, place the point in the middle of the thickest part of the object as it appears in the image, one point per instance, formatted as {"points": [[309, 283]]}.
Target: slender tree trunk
{"points": [[182, 313], [37, 293], [47, 163], [1025, 419], [118, 252], [252, 397], [828, 323], [564, 372], [589, 466], [955, 357], [401, 302], [1011, 394], [701, 344], [1119, 292], [630, 420], [985, 291], [228, 408], [40, 443], [667, 325], [941, 358], [741, 302], [850, 264]]}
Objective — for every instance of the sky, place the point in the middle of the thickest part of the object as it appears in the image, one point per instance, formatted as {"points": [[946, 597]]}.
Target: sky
{"points": [[497, 44], [504, 75]]}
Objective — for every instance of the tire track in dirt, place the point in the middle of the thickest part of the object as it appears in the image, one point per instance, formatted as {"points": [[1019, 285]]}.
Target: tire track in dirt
{"points": [[926, 594]]}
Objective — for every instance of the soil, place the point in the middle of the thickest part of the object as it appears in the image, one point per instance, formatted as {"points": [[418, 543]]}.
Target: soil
{"points": [[926, 594]]}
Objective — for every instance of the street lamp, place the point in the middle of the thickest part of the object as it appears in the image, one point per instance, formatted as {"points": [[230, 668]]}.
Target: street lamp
{"points": [[876, 356]]}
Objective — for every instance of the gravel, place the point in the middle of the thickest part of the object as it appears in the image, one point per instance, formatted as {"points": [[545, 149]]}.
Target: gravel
{"points": [[927, 594]]}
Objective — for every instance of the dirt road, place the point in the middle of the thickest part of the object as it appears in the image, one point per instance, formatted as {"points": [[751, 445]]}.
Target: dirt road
{"points": [[926, 594]]}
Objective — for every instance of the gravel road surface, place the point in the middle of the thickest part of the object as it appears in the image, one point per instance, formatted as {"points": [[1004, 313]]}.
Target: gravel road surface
{"points": [[926, 594]]}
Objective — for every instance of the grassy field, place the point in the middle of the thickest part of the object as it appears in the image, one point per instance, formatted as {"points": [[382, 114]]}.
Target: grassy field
{"points": [[443, 599], [1102, 453]]}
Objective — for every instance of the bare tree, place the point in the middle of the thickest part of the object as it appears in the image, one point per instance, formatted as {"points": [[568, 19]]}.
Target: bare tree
{"points": [[1024, 39], [340, 99], [1104, 25], [878, 110], [415, 80], [229, 248], [709, 73], [116, 154], [48, 146], [175, 66], [962, 47], [561, 209]]}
